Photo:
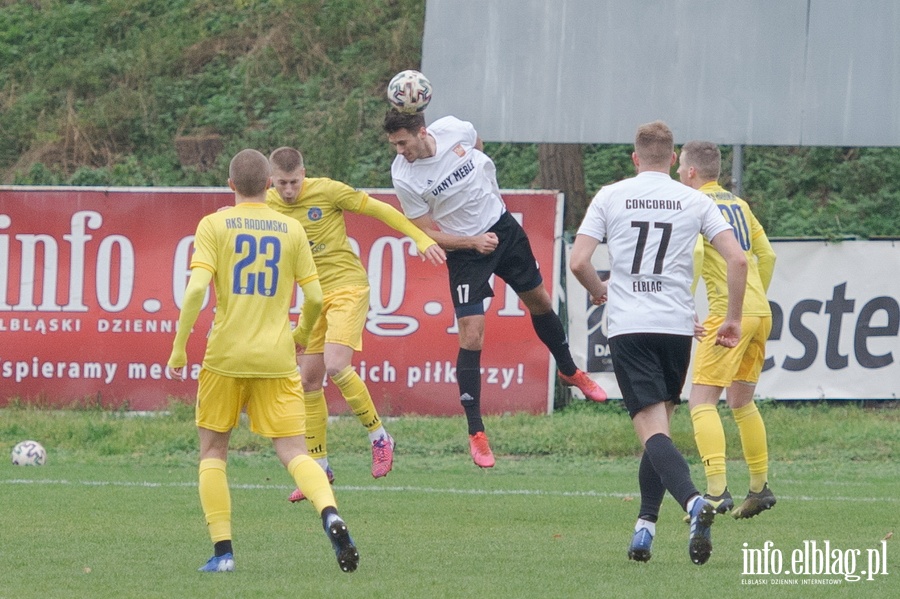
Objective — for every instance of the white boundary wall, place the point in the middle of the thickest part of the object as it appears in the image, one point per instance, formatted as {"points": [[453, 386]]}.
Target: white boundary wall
{"points": [[755, 72]]}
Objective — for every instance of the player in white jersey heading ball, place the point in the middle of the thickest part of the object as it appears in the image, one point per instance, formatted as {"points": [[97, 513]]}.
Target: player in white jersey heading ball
{"points": [[650, 223], [448, 187]]}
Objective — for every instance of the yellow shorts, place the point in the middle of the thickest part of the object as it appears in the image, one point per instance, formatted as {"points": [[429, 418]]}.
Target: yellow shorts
{"points": [[342, 320], [274, 406], [720, 366]]}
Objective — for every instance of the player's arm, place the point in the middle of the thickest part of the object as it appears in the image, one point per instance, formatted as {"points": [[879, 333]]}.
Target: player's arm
{"points": [[581, 266], [698, 263], [765, 255], [412, 203], [426, 246], [699, 252], [483, 244], [312, 307], [736, 263], [190, 309]]}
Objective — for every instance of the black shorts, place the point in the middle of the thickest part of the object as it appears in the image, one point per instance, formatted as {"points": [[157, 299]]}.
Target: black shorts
{"points": [[650, 368], [513, 261]]}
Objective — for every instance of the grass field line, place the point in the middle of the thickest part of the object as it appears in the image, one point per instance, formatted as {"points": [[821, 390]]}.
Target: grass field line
{"points": [[409, 489]]}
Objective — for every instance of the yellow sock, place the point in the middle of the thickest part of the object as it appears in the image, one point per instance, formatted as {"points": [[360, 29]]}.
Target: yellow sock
{"points": [[311, 479], [710, 438], [357, 395], [753, 439], [316, 423], [215, 499]]}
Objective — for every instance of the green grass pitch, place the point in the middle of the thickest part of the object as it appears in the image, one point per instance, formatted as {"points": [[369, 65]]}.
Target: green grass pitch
{"points": [[115, 512]]}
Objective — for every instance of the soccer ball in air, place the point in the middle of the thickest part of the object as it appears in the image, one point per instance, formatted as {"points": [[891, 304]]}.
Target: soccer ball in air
{"points": [[29, 453], [409, 91]]}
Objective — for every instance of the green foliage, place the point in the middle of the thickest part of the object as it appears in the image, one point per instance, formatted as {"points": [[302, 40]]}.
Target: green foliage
{"points": [[517, 164], [824, 192], [96, 93], [606, 164], [88, 86], [38, 174]]}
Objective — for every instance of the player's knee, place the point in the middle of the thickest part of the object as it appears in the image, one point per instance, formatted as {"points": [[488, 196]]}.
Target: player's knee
{"points": [[310, 386], [471, 333], [537, 301], [335, 370], [472, 340]]}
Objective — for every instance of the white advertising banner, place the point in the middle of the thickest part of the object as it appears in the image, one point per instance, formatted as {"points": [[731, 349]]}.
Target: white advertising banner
{"points": [[835, 323]]}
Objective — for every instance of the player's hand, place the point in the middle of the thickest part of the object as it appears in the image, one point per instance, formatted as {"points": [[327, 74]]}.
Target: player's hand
{"points": [[601, 295], [729, 333], [434, 254], [301, 338], [699, 330], [176, 374], [487, 243], [175, 367]]}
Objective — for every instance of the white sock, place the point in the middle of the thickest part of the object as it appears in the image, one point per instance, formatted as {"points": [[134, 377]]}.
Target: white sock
{"points": [[650, 526], [323, 462], [378, 433]]}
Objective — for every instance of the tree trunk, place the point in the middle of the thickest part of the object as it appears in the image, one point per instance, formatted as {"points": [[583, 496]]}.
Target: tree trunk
{"points": [[561, 166]]}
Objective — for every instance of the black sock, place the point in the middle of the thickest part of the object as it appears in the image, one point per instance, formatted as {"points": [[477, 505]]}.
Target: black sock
{"points": [[671, 467], [222, 547], [652, 490], [550, 331], [326, 513], [468, 377]]}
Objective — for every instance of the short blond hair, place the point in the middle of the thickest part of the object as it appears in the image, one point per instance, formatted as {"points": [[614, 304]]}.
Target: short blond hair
{"points": [[287, 160], [249, 173], [654, 144], [704, 156]]}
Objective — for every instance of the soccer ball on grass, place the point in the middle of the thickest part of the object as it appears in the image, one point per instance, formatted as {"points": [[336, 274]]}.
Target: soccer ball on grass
{"points": [[409, 91], [29, 453]]}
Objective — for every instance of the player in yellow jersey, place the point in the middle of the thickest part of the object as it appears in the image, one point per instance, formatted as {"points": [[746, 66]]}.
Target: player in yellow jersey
{"points": [[254, 257], [319, 205], [737, 370]]}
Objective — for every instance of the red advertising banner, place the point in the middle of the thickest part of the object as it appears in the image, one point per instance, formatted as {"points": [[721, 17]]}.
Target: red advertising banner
{"points": [[91, 283]]}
